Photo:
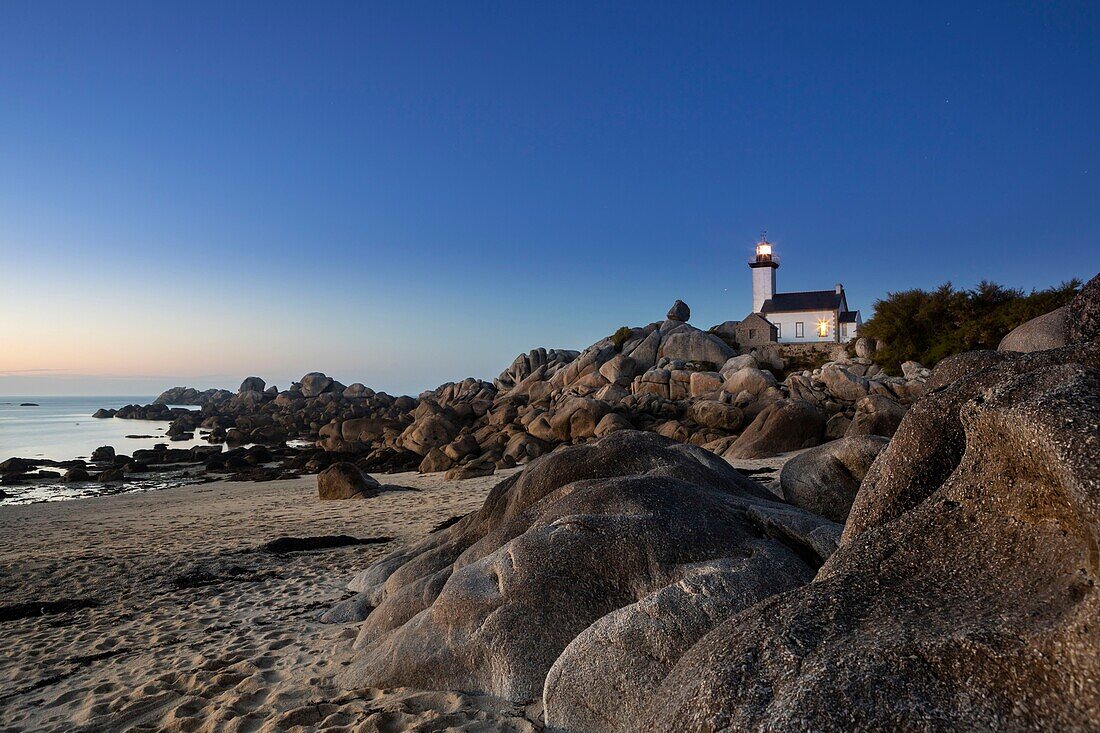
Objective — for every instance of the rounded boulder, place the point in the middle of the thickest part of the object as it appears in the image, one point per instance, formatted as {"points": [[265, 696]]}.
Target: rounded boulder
{"points": [[717, 415], [825, 480], [344, 480]]}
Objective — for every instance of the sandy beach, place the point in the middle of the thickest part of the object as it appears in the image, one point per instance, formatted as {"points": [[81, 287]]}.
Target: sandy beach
{"points": [[195, 628]]}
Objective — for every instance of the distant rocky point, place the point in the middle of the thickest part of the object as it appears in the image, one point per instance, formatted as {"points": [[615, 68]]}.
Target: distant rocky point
{"points": [[191, 396]]}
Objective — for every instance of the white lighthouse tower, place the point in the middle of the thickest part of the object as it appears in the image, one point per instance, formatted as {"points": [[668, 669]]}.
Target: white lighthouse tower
{"points": [[763, 267]]}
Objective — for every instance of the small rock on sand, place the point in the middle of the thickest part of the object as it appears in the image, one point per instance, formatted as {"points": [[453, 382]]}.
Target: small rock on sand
{"points": [[344, 480]]}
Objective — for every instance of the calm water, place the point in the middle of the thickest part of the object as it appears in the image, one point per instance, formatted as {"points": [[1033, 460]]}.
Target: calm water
{"points": [[62, 428]]}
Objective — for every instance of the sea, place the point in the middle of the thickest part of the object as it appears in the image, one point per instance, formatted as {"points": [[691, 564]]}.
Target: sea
{"points": [[62, 429]]}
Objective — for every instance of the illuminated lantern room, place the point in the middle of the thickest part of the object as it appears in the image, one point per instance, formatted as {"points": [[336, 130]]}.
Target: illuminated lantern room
{"points": [[764, 250], [763, 265]]}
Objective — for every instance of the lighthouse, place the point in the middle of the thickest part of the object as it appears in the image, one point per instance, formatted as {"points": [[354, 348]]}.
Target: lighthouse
{"points": [[793, 318], [763, 267]]}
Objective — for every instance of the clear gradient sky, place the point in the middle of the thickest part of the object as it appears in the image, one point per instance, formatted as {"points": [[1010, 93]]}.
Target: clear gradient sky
{"points": [[409, 193]]}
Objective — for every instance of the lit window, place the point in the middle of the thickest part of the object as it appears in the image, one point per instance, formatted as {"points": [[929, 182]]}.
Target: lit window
{"points": [[823, 328], [798, 330]]}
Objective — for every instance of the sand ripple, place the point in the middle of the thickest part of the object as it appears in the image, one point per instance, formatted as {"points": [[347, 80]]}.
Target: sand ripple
{"points": [[194, 628]]}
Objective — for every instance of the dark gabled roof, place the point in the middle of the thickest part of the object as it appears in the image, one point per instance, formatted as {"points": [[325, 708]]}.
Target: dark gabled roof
{"points": [[848, 316], [758, 317], [813, 300]]}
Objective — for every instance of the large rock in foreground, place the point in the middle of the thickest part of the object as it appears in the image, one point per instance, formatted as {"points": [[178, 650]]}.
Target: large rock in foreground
{"points": [[599, 564], [964, 595], [931, 439], [1083, 318]]}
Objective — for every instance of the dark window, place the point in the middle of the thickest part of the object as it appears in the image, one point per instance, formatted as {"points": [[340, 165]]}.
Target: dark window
{"points": [[752, 334], [798, 333]]}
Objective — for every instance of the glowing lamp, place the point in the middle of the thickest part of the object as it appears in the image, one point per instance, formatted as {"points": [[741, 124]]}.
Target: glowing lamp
{"points": [[764, 248]]}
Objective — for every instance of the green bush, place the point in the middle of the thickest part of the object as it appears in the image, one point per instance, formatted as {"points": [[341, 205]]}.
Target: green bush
{"points": [[927, 326], [621, 336]]}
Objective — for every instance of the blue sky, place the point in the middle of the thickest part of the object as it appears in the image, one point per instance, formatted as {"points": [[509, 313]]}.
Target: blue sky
{"points": [[410, 193]]}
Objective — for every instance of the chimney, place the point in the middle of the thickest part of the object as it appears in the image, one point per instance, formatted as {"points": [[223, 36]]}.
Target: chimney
{"points": [[839, 288]]}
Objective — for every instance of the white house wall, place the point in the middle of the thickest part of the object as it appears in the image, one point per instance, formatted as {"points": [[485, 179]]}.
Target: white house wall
{"points": [[849, 331], [787, 325]]}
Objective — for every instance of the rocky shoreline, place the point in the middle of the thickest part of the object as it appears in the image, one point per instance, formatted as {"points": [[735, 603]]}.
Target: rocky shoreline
{"points": [[161, 466], [668, 378]]}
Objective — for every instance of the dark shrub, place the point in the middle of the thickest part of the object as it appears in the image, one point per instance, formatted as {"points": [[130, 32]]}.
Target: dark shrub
{"points": [[928, 326]]}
